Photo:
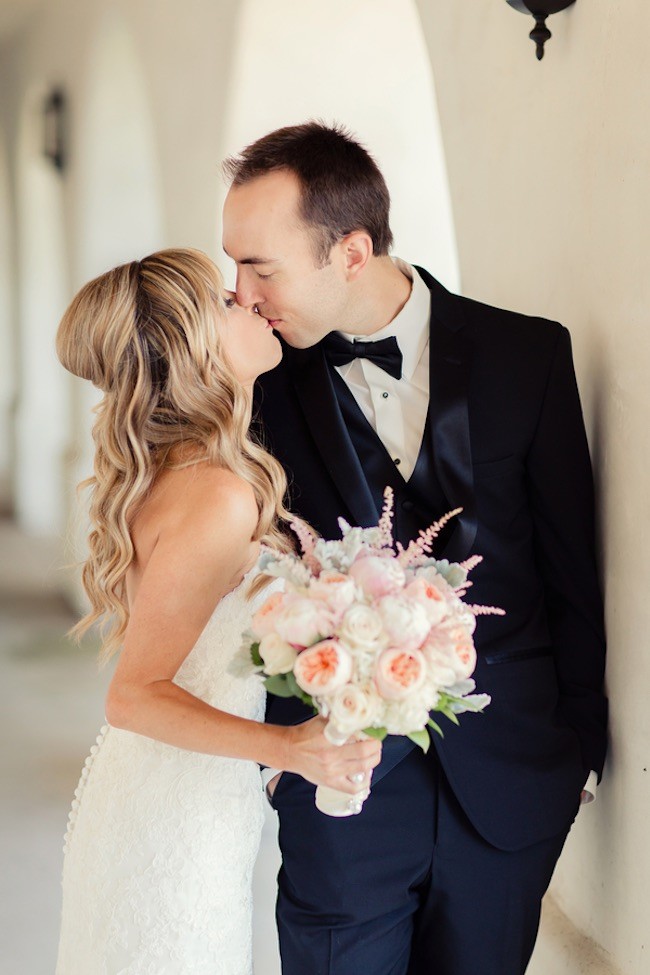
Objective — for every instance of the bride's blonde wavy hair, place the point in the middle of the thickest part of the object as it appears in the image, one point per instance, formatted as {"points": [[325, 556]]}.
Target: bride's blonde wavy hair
{"points": [[147, 335]]}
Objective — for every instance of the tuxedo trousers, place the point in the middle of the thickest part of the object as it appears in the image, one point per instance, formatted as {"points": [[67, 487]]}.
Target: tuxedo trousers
{"points": [[408, 887]]}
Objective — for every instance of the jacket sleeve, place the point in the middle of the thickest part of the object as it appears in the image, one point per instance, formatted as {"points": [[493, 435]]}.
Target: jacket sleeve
{"points": [[562, 501]]}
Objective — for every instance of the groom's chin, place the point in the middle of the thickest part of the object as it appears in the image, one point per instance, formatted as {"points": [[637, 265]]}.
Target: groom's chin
{"points": [[296, 341]]}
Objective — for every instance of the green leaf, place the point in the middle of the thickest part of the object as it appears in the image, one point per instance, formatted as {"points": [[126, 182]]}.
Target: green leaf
{"points": [[436, 727], [448, 713], [292, 684], [378, 733], [278, 685], [297, 691], [421, 739], [255, 655]]}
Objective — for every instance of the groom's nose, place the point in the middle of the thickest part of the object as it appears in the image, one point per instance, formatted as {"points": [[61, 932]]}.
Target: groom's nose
{"points": [[247, 293]]}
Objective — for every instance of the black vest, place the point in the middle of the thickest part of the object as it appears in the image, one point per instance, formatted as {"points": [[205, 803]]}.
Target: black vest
{"points": [[418, 501]]}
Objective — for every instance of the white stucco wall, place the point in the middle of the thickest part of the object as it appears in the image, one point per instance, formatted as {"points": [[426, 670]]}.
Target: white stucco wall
{"points": [[549, 166], [7, 352]]}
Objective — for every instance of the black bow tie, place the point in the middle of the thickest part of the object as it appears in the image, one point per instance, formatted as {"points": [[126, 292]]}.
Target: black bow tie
{"points": [[385, 353]]}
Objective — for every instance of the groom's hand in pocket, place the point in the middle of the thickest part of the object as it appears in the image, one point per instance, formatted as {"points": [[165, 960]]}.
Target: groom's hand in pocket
{"points": [[272, 783]]}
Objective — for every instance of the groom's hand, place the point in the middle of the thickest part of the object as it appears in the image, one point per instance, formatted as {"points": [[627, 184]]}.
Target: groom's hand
{"points": [[311, 755], [272, 783]]}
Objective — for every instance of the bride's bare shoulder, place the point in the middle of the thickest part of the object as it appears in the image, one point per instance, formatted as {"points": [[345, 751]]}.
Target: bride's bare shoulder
{"points": [[201, 499], [212, 490]]}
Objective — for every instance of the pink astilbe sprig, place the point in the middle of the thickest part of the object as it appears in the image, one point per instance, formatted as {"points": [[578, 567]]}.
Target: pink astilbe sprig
{"points": [[418, 550], [484, 610], [307, 539], [385, 525], [471, 562]]}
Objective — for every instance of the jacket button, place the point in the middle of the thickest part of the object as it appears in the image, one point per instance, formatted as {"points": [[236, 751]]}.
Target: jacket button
{"points": [[408, 505]]}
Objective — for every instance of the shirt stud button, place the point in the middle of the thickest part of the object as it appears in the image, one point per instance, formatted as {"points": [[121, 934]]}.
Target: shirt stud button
{"points": [[385, 395], [398, 461]]}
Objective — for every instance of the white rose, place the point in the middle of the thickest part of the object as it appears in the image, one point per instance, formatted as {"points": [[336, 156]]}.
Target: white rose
{"points": [[278, 655], [405, 621], [362, 628], [303, 622], [351, 709], [441, 671], [336, 589], [411, 714]]}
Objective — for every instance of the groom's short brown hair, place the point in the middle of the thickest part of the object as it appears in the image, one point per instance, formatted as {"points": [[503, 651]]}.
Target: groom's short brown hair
{"points": [[342, 187]]}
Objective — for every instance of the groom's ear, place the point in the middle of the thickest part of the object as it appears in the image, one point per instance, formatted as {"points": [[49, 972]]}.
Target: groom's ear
{"points": [[357, 251]]}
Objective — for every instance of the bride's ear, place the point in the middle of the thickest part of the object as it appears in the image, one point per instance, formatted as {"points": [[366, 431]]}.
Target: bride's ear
{"points": [[357, 250]]}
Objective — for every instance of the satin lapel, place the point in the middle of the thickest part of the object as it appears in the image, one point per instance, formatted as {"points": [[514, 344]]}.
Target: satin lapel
{"points": [[449, 371], [315, 392]]}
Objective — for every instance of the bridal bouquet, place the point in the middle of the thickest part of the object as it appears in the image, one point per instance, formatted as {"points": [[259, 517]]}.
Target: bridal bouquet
{"points": [[373, 636]]}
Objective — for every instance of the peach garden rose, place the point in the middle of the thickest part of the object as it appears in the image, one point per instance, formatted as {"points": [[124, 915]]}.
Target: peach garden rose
{"points": [[399, 673], [337, 590], [323, 668], [265, 617]]}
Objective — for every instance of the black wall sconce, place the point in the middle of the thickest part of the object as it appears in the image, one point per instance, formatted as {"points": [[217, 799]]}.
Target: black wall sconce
{"points": [[54, 110], [540, 9]]}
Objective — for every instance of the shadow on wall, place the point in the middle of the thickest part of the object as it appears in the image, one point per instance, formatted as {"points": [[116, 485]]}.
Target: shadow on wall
{"points": [[7, 340]]}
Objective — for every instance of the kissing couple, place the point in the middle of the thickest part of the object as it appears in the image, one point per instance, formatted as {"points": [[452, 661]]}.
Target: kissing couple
{"points": [[333, 371]]}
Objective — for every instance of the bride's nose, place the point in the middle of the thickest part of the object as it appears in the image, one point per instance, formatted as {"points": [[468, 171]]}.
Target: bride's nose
{"points": [[251, 307]]}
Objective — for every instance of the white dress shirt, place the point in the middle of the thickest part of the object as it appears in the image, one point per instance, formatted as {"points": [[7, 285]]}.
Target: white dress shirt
{"points": [[396, 409]]}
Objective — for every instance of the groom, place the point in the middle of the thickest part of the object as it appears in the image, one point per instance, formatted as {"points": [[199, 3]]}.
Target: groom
{"points": [[387, 378]]}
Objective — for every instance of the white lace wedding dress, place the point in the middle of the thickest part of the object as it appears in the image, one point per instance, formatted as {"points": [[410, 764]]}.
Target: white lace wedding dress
{"points": [[161, 841]]}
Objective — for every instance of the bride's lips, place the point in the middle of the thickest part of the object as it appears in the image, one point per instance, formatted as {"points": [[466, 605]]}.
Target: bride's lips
{"points": [[268, 323]]}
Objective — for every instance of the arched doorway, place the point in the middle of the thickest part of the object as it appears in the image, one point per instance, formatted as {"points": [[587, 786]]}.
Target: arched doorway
{"points": [[366, 65], [117, 209], [42, 390]]}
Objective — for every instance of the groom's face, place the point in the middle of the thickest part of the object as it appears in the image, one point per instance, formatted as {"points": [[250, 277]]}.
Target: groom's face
{"points": [[277, 269]]}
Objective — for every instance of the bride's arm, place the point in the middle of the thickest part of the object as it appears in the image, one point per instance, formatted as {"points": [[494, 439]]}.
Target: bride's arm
{"points": [[201, 553]]}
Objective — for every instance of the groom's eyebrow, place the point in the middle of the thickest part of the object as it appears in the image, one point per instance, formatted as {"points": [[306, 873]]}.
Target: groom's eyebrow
{"points": [[252, 260]]}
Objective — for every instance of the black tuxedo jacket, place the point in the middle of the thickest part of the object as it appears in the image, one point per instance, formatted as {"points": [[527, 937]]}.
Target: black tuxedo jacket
{"points": [[509, 446]]}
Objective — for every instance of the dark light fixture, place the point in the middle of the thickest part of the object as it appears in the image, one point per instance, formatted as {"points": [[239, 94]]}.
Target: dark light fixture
{"points": [[54, 107], [540, 10]]}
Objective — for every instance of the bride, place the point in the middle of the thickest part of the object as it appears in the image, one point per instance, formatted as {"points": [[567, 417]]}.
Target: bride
{"points": [[166, 821]]}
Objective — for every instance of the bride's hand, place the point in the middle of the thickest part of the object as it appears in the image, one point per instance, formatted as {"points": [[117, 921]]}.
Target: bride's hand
{"points": [[311, 755]]}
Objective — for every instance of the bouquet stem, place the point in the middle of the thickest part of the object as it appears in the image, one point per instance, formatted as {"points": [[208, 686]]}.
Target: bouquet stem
{"points": [[334, 802]]}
